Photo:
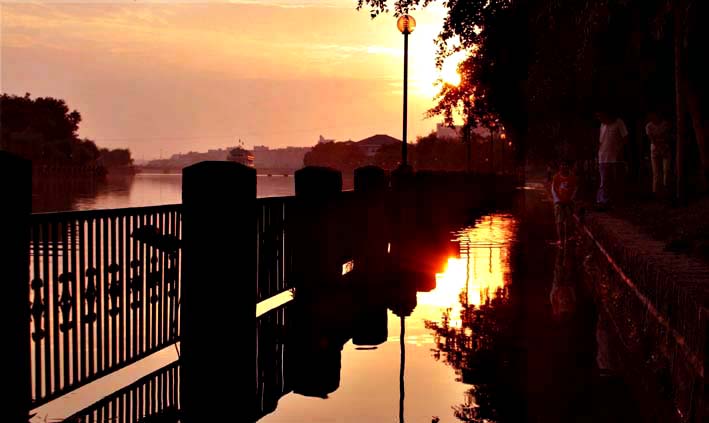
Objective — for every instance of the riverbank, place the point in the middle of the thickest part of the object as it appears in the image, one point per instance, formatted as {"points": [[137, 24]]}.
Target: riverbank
{"points": [[653, 302]]}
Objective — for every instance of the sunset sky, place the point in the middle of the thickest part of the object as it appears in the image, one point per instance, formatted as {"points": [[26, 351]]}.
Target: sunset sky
{"points": [[170, 77]]}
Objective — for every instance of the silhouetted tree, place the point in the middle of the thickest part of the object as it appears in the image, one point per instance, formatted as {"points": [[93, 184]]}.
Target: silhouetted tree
{"points": [[543, 67], [343, 156], [433, 153], [45, 131], [388, 156], [119, 157]]}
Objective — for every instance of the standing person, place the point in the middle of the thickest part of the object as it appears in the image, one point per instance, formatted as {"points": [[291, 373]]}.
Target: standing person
{"points": [[612, 138], [659, 131], [563, 190]]}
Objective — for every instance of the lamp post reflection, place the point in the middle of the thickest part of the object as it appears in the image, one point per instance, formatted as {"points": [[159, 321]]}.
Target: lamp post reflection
{"points": [[402, 366]]}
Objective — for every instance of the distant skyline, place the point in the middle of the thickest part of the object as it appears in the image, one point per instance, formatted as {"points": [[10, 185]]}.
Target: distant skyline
{"points": [[175, 77]]}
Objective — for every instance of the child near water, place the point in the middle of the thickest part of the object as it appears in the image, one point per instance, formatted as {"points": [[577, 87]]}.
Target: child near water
{"points": [[563, 190]]}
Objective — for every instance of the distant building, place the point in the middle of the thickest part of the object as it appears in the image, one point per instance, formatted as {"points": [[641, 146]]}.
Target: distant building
{"points": [[444, 131], [323, 140], [182, 160], [371, 145]]}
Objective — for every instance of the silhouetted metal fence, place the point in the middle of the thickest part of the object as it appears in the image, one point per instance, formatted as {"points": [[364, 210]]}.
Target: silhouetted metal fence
{"points": [[103, 291], [104, 287], [274, 246]]}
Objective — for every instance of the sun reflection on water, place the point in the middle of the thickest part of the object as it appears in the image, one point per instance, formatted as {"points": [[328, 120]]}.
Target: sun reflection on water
{"points": [[477, 274]]}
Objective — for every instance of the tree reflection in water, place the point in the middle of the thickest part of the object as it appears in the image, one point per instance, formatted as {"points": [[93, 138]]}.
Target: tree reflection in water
{"points": [[474, 351], [473, 334]]}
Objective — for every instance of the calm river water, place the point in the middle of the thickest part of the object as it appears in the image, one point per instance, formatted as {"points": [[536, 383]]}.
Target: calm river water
{"points": [[143, 189], [500, 332]]}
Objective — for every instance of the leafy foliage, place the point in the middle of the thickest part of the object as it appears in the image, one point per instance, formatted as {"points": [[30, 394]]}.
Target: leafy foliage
{"points": [[542, 68], [45, 131], [344, 156]]}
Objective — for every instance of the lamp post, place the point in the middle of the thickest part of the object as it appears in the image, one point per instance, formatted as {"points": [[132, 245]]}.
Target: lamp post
{"points": [[406, 25]]}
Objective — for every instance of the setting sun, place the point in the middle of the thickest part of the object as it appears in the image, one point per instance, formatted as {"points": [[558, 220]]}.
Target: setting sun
{"points": [[430, 78], [449, 71]]}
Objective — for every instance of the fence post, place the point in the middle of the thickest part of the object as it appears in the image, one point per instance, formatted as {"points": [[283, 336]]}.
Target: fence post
{"points": [[372, 229], [318, 250], [16, 198], [369, 326], [218, 298]]}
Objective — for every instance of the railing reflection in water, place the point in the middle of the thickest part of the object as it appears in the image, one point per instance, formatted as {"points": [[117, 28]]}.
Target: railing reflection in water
{"points": [[155, 397]]}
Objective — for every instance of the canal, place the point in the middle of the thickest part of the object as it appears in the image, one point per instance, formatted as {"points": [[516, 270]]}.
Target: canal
{"points": [[497, 328]]}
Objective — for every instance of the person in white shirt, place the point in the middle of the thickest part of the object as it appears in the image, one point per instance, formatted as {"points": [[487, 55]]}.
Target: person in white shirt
{"points": [[612, 139], [659, 131]]}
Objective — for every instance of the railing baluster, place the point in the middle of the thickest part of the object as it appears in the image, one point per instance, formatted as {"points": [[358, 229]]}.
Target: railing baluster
{"points": [[159, 275], [113, 293], [168, 294], [55, 309], [99, 295], [178, 278], [123, 333], [134, 283], [80, 323], [127, 277], [63, 308], [37, 312], [91, 276], [163, 283], [148, 291], [74, 300], [141, 288], [105, 263], [154, 304]]}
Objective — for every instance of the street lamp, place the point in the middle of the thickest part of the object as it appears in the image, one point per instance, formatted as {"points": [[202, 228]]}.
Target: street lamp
{"points": [[406, 25]]}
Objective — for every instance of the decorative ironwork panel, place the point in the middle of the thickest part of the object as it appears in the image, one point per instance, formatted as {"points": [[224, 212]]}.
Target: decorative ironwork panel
{"points": [[104, 290]]}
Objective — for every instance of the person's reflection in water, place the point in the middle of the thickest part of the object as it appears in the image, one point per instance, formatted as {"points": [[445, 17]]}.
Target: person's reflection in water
{"points": [[570, 361], [563, 290]]}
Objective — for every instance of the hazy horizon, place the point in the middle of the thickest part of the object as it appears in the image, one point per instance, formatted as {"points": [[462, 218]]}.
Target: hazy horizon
{"points": [[175, 77]]}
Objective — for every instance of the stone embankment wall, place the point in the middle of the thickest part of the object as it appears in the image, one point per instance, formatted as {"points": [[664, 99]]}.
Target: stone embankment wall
{"points": [[653, 306]]}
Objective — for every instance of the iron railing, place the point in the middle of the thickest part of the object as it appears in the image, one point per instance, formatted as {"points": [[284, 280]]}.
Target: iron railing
{"points": [[103, 292]]}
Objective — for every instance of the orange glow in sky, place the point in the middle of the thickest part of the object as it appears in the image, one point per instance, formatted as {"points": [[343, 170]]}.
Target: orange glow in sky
{"points": [[173, 76]]}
